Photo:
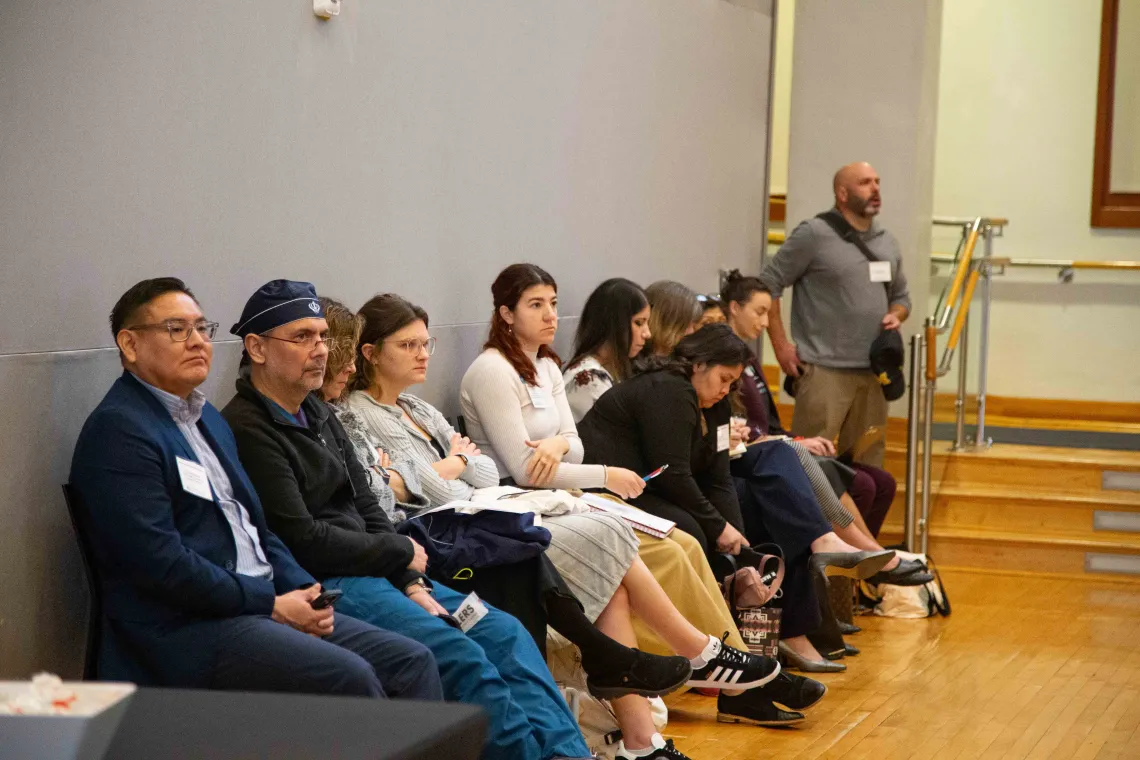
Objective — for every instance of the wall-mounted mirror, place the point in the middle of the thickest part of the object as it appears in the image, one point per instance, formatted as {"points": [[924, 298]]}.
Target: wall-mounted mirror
{"points": [[1116, 162]]}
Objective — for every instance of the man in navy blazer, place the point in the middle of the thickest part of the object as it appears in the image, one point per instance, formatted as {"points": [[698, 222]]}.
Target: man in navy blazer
{"points": [[197, 591]]}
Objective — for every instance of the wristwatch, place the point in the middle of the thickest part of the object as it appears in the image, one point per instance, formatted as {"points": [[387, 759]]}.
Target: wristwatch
{"points": [[417, 584], [466, 461]]}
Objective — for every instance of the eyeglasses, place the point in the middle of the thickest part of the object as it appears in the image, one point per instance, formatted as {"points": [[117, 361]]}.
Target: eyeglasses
{"points": [[180, 329], [414, 347], [310, 340]]}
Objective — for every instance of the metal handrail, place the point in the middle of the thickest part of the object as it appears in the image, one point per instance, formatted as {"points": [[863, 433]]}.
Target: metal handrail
{"points": [[953, 314], [965, 261], [949, 258]]}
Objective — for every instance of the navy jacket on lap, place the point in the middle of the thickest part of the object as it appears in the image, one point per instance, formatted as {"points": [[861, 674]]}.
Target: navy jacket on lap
{"points": [[165, 557]]}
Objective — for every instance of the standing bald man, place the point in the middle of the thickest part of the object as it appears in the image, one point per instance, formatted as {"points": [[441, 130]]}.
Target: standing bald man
{"points": [[849, 286]]}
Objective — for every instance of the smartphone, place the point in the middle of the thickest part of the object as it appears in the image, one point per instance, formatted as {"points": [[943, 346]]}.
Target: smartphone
{"points": [[655, 473], [328, 598]]}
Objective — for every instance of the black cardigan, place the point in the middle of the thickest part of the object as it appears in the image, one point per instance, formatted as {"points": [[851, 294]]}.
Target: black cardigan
{"points": [[654, 419], [314, 491]]}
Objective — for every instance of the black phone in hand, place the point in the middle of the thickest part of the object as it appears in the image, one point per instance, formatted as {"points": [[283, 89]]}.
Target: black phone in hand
{"points": [[327, 598]]}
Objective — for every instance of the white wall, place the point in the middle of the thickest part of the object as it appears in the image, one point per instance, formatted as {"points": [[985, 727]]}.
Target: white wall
{"points": [[1015, 138]]}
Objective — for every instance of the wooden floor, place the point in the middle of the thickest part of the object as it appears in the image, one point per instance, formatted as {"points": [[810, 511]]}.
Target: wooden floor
{"points": [[1025, 667]]}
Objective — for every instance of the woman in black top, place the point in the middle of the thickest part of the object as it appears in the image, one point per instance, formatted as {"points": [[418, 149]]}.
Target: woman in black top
{"points": [[676, 412]]}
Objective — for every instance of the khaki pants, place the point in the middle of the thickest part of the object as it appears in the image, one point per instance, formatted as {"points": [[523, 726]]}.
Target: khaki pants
{"points": [[679, 565], [841, 404]]}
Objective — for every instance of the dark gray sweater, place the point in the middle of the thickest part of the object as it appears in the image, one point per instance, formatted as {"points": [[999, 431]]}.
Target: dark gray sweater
{"points": [[315, 492], [837, 311]]}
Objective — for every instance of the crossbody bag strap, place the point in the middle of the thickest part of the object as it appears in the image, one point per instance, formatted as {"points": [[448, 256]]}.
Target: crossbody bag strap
{"points": [[849, 234]]}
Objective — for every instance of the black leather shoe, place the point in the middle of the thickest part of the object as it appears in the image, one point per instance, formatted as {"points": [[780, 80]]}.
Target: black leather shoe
{"points": [[754, 708], [849, 628], [850, 650], [650, 675], [907, 572], [859, 565], [792, 691]]}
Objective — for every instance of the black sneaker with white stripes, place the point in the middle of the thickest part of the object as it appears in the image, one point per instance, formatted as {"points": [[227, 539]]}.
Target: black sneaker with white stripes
{"points": [[663, 749], [732, 669]]}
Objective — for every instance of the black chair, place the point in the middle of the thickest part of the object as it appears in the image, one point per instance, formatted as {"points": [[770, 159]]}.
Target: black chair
{"points": [[78, 514]]}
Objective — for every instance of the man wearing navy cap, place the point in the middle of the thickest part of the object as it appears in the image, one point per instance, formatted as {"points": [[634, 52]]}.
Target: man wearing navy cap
{"points": [[197, 591], [317, 498]]}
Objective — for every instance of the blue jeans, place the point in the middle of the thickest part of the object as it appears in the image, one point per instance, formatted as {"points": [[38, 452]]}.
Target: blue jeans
{"points": [[495, 665]]}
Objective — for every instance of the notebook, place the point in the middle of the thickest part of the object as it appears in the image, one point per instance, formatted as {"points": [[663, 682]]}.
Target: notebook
{"points": [[634, 517]]}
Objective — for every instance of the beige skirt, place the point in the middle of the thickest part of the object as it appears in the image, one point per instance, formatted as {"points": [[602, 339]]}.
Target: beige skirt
{"points": [[592, 552]]}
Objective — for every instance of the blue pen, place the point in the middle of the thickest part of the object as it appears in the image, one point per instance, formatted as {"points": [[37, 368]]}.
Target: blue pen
{"points": [[655, 473]]}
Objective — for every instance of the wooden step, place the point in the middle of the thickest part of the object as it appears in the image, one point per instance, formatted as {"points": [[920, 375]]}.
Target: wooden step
{"points": [[1021, 508], [1016, 552], [1025, 510], [1045, 467]]}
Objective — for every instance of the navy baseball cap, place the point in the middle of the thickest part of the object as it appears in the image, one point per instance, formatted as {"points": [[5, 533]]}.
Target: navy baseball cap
{"points": [[276, 303]]}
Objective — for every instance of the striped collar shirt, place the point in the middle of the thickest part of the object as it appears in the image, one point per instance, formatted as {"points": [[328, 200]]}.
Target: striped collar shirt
{"points": [[407, 444], [186, 413]]}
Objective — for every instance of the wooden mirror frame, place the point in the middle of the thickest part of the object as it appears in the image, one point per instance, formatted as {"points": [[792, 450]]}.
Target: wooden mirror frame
{"points": [[1109, 209]]}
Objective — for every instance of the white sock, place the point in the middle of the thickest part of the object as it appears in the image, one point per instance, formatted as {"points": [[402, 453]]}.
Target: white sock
{"points": [[656, 743], [711, 650]]}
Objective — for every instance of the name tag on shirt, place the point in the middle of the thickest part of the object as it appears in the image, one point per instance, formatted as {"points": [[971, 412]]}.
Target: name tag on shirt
{"points": [[880, 271], [194, 479], [722, 437], [470, 612], [538, 397]]}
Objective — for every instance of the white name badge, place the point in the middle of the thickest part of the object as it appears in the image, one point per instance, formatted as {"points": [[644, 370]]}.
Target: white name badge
{"points": [[194, 479], [722, 438], [880, 271], [470, 612], [538, 397]]}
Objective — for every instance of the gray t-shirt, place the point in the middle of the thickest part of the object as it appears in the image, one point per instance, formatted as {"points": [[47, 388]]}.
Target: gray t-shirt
{"points": [[837, 310]]}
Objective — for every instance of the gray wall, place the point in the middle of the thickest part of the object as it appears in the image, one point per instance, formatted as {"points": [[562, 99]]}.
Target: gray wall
{"points": [[414, 146]]}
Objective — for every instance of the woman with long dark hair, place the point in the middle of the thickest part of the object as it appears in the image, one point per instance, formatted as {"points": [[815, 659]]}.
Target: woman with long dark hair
{"points": [[612, 330]]}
